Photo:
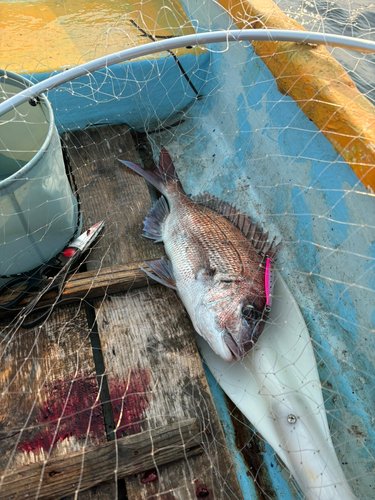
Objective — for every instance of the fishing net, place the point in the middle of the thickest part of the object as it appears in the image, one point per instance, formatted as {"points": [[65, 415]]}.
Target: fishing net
{"points": [[118, 357]]}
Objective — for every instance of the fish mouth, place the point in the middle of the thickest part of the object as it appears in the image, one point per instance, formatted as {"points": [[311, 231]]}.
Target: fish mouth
{"points": [[238, 350]]}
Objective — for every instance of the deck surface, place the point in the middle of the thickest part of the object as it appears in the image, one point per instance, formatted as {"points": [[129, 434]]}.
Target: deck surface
{"points": [[104, 368]]}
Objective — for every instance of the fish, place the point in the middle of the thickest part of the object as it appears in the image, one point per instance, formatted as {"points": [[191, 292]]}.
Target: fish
{"points": [[219, 261]]}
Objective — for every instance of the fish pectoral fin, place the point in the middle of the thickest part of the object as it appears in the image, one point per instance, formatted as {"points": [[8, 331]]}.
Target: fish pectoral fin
{"points": [[163, 272], [153, 224]]}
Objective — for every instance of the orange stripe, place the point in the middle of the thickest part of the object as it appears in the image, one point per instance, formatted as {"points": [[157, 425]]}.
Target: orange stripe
{"points": [[318, 83]]}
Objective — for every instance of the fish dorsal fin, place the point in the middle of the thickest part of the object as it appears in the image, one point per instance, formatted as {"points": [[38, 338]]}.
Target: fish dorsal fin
{"points": [[252, 232]]}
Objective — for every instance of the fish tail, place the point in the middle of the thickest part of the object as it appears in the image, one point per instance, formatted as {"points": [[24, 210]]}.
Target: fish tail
{"points": [[163, 177]]}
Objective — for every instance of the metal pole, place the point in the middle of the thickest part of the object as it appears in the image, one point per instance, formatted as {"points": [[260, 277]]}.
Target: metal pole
{"points": [[183, 41]]}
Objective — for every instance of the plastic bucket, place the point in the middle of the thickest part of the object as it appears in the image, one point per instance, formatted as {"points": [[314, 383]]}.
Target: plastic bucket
{"points": [[38, 211]]}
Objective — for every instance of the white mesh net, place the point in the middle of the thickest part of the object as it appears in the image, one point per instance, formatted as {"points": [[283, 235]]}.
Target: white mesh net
{"points": [[119, 356]]}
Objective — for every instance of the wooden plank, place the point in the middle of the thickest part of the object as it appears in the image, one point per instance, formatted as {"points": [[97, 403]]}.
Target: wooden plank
{"points": [[111, 192], [93, 284], [105, 281], [58, 477], [49, 396]]}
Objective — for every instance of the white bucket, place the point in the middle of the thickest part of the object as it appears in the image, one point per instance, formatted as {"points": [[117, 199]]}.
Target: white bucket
{"points": [[38, 212]]}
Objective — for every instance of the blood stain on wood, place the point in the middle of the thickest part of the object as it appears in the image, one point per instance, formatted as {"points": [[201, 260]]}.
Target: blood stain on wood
{"points": [[130, 398], [202, 492], [71, 408], [149, 477]]}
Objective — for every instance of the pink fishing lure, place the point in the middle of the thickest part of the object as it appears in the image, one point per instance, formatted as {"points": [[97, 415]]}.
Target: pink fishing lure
{"points": [[268, 282]]}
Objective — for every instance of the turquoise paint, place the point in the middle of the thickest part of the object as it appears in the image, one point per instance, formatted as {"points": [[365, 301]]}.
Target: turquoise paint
{"points": [[335, 198], [281, 197], [300, 139], [244, 139], [344, 325], [143, 94], [338, 382], [294, 129], [370, 268], [253, 73], [373, 318], [345, 308], [305, 251], [308, 258], [265, 131]]}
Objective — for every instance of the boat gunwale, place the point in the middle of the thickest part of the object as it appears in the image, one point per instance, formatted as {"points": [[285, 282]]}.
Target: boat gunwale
{"points": [[318, 84]]}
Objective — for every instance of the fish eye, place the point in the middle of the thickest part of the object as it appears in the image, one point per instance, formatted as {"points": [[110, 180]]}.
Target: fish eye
{"points": [[249, 312], [226, 282]]}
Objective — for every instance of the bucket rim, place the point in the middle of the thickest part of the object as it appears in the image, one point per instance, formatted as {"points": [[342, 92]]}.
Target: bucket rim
{"points": [[23, 171]]}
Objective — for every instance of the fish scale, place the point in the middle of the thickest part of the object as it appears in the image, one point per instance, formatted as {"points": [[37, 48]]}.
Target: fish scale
{"points": [[219, 239], [218, 271], [198, 226]]}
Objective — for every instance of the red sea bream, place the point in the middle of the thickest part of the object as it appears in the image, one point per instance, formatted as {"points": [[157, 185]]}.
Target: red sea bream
{"points": [[217, 262]]}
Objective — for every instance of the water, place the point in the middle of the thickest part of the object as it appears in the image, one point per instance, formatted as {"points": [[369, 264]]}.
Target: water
{"points": [[341, 17]]}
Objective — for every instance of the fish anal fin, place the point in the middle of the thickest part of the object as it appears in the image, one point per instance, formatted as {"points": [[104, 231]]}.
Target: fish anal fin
{"points": [[254, 233], [153, 224], [163, 272]]}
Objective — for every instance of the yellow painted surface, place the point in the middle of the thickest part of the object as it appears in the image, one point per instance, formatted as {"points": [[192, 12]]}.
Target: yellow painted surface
{"points": [[318, 83], [48, 35]]}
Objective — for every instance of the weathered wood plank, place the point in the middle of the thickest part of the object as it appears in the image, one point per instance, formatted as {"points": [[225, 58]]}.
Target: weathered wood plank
{"points": [[94, 284], [49, 396], [113, 193], [110, 490], [155, 377], [105, 281], [58, 477]]}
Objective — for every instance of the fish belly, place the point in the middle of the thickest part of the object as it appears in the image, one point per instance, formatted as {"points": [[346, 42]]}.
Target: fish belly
{"points": [[183, 250]]}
